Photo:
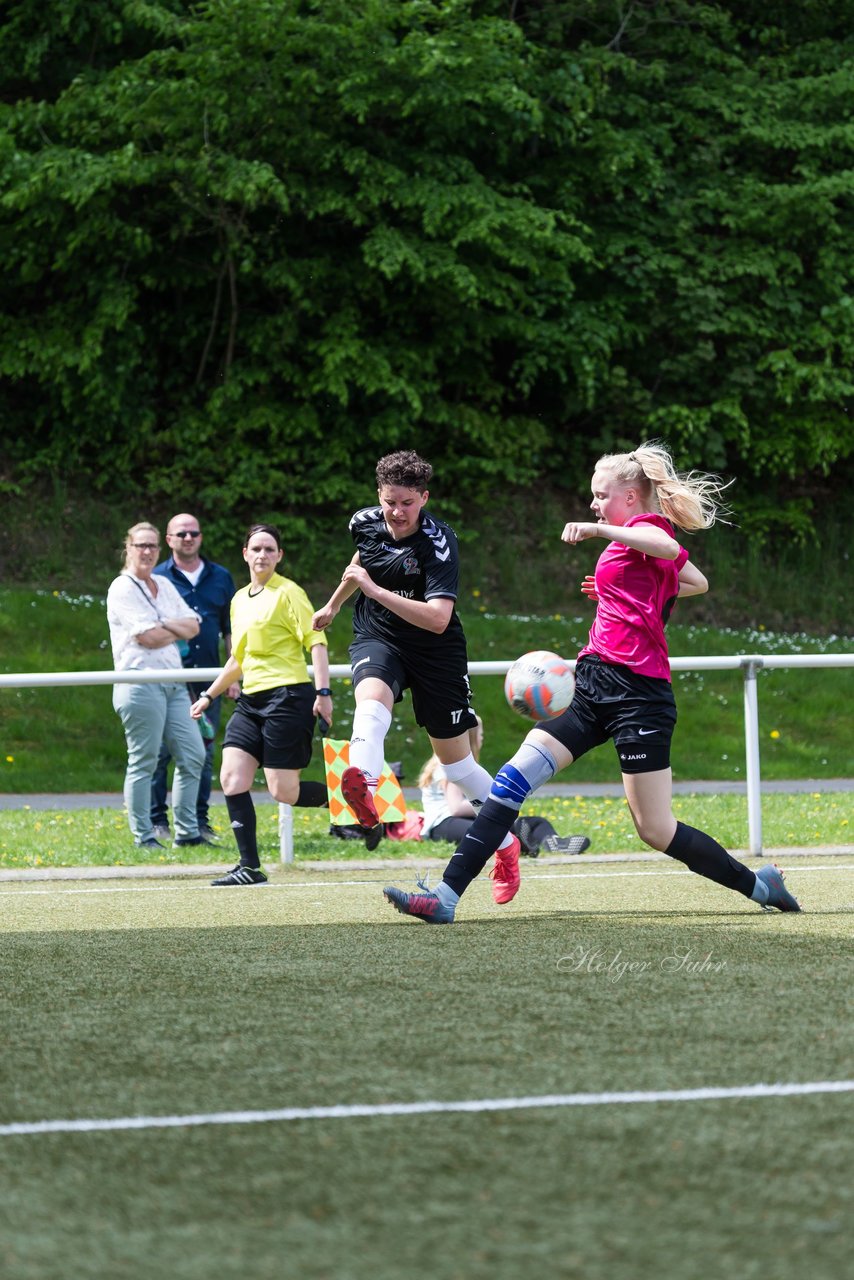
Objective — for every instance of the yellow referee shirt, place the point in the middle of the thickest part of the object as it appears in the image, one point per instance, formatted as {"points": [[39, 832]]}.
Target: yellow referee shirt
{"points": [[271, 633]]}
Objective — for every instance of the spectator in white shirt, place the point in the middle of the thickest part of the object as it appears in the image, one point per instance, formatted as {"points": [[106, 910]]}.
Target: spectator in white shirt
{"points": [[148, 621]]}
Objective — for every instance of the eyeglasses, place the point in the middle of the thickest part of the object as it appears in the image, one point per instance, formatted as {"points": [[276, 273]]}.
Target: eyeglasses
{"points": [[187, 533], [145, 546]]}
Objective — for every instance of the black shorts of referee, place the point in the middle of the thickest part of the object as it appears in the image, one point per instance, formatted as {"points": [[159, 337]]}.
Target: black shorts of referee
{"points": [[439, 684], [611, 701], [275, 726]]}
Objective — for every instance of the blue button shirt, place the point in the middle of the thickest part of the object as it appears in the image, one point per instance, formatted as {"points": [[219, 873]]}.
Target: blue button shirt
{"points": [[211, 599]]}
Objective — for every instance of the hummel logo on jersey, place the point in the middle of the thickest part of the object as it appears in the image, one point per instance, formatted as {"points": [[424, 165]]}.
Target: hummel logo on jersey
{"points": [[643, 733]]}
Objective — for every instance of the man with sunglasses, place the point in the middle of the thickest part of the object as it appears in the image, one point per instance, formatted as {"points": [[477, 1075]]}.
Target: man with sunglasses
{"points": [[207, 588]]}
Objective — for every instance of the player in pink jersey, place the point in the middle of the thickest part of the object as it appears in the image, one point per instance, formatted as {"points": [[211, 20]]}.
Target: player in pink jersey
{"points": [[623, 690]]}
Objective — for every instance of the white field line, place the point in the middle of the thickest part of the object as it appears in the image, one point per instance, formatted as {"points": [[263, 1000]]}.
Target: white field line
{"points": [[531, 878], [366, 1111]]}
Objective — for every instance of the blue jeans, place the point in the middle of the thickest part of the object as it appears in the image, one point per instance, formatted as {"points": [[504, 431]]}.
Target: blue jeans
{"points": [[159, 783], [151, 714]]}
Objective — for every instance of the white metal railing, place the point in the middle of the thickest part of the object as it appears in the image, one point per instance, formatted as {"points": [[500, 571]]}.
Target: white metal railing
{"points": [[749, 664]]}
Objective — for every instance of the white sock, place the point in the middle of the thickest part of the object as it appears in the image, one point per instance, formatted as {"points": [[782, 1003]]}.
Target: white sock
{"points": [[371, 721], [471, 778], [475, 783]]}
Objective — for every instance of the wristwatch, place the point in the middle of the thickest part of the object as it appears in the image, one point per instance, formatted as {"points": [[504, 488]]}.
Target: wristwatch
{"points": [[323, 693]]}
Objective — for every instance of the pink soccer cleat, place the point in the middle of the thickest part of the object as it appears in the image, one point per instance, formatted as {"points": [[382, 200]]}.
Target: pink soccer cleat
{"points": [[505, 874], [357, 793]]}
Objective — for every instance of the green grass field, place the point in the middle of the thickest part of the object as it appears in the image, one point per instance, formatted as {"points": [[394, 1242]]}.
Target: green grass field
{"points": [[170, 999], [134, 1000]]}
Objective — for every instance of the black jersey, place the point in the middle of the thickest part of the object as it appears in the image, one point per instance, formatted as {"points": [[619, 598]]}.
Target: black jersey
{"points": [[423, 566]]}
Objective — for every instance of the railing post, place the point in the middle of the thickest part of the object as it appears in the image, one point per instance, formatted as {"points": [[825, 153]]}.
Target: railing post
{"points": [[751, 748], [286, 832]]}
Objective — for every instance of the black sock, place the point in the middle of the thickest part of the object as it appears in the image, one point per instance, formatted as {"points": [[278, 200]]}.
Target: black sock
{"points": [[241, 815], [312, 795], [704, 855], [479, 844]]}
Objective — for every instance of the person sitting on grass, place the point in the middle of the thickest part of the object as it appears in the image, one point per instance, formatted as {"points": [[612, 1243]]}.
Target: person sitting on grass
{"points": [[448, 815]]}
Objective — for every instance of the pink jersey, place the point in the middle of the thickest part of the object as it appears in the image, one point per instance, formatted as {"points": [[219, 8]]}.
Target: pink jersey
{"points": [[636, 593]]}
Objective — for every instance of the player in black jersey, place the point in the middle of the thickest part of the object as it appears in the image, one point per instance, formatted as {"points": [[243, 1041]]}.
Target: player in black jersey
{"points": [[407, 635]]}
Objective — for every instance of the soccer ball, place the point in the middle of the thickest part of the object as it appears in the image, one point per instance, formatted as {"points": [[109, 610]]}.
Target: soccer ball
{"points": [[539, 685]]}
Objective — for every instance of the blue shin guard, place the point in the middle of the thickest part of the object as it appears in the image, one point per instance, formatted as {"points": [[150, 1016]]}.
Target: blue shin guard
{"points": [[529, 769]]}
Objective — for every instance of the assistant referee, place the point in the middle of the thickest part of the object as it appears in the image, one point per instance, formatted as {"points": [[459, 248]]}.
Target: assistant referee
{"points": [[273, 721]]}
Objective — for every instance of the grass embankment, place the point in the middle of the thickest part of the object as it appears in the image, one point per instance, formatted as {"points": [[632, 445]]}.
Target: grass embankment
{"points": [[69, 739]]}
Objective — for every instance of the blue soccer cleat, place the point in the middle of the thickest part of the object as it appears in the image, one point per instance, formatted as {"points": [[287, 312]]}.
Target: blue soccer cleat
{"points": [[426, 906], [779, 897]]}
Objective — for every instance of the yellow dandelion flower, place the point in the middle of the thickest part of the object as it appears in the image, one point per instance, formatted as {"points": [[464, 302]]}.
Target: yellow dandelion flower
{"points": [[775, 733], [10, 759]]}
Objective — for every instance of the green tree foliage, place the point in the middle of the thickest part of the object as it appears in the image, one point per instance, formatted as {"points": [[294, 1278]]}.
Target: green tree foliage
{"points": [[249, 245], [721, 162]]}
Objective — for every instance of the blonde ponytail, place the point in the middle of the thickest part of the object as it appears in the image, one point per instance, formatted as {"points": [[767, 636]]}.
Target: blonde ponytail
{"points": [[690, 500]]}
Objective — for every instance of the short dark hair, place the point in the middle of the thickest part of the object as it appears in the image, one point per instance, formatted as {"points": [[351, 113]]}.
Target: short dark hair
{"points": [[405, 469], [264, 528]]}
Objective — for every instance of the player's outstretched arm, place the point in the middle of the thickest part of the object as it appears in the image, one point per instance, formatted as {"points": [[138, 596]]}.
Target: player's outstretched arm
{"points": [[346, 588], [647, 538]]}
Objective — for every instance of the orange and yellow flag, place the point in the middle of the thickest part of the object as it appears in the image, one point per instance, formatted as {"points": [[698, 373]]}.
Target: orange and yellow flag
{"points": [[389, 800]]}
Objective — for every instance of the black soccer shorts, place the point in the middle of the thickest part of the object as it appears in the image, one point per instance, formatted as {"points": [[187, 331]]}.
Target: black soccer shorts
{"points": [[275, 726], [439, 684], [611, 701]]}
